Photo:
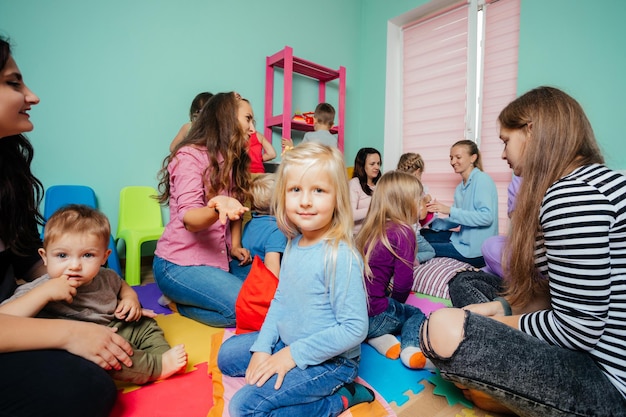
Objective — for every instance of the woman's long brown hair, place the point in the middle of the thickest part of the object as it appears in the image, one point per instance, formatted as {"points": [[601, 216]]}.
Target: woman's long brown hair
{"points": [[559, 138], [218, 130]]}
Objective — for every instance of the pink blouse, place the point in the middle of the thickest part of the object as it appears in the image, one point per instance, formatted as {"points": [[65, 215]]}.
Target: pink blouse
{"points": [[360, 203], [211, 246]]}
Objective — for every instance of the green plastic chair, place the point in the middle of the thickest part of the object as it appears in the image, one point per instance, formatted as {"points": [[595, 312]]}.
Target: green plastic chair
{"points": [[139, 221]]}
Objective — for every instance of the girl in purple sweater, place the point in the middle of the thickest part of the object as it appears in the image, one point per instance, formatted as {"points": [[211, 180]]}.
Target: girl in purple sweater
{"points": [[387, 242]]}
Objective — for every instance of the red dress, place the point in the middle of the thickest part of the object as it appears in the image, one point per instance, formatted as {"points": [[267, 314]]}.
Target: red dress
{"points": [[256, 155]]}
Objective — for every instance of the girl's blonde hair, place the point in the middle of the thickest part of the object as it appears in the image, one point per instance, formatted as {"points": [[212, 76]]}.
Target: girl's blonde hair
{"points": [[395, 200], [329, 160], [261, 191], [410, 162], [326, 159], [559, 139]]}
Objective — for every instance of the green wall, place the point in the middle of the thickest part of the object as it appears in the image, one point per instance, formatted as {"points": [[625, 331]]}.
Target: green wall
{"points": [[372, 64], [579, 47], [116, 78]]}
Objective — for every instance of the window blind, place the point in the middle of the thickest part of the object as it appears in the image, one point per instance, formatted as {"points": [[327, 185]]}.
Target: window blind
{"points": [[435, 91], [434, 87]]}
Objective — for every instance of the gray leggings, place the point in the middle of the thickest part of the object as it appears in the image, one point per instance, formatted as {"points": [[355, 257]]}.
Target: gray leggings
{"points": [[527, 375]]}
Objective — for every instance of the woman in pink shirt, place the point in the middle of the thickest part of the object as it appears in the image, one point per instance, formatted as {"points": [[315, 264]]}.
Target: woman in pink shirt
{"points": [[364, 178], [204, 180]]}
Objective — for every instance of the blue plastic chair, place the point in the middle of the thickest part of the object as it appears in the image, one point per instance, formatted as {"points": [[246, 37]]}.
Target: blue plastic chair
{"points": [[58, 196]]}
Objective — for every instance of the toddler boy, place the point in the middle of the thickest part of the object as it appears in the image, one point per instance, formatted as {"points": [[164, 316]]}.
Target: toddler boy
{"points": [[261, 235], [323, 121], [76, 287]]}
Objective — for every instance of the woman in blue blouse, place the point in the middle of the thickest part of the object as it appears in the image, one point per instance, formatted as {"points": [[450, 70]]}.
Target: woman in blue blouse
{"points": [[475, 209]]}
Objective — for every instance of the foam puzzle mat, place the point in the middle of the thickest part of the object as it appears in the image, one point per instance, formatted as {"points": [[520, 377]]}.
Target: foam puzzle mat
{"points": [[403, 392]]}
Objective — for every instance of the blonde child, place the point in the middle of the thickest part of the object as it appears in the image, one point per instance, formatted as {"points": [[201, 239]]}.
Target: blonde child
{"points": [[387, 242], [306, 355], [76, 287], [413, 163], [261, 235]]}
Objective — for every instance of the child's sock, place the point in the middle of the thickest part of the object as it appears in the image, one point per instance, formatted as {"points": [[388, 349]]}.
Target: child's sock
{"points": [[164, 301], [412, 357], [387, 345], [355, 393]]}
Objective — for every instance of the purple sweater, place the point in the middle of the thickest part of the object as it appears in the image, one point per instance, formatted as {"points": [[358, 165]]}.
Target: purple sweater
{"points": [[386, 266]]}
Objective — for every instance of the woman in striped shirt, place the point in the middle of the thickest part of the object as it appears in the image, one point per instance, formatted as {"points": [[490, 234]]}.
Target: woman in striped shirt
{"points": [[553, 345]]}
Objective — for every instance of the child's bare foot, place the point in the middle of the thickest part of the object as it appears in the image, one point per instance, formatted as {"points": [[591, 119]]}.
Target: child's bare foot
{"points": [[174, 360]]}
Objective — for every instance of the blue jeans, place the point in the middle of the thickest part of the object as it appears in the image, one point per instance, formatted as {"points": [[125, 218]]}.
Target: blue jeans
{"points": [[202, 293], [398, 319], [440, 241], [239, 271], [425, 251], [527, 375], [304, 392]]}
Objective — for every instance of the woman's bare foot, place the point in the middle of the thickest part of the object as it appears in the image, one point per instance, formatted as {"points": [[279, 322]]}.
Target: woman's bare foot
{"points": [[174, 360]]}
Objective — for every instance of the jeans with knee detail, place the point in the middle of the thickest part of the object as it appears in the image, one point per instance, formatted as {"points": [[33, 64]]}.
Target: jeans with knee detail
{"points": [[527, 375]]}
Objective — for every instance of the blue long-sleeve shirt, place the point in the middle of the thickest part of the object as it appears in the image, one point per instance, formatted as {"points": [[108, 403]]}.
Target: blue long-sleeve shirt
{"points": [[475, 209], [317, 318]]}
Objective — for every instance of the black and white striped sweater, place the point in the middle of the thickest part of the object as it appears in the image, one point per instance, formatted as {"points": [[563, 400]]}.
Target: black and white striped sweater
{"points": [[583, 253]]}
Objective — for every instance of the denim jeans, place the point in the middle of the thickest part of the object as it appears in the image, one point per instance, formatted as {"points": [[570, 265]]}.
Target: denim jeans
{"points": [[202, 293], [440, 241], [304, 392], [527, 375], [473, 287], [425, 251], [398, 319], [239, 271]]}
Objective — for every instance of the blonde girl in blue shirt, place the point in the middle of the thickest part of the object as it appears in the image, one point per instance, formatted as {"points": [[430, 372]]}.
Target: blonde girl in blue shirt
{"points": [[304, 359]]}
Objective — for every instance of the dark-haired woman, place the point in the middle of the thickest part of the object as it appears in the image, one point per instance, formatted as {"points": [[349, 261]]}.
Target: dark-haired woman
{"points": [[49, 367], [365, 175]]}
